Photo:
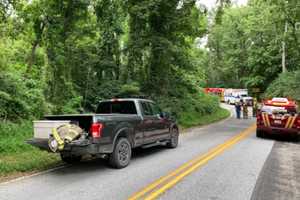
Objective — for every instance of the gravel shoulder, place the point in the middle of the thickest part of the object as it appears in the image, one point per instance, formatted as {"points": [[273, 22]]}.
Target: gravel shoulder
{"points": [[280, 177]]}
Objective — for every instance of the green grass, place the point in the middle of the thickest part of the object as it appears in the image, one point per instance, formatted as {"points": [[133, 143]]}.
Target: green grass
{"points": [[16, 156], [190, 119], [27, 161]]}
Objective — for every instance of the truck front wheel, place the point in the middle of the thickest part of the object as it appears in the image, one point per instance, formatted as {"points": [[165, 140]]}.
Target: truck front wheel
{"points": [[70, 159], [173, 143], [121, 155]]}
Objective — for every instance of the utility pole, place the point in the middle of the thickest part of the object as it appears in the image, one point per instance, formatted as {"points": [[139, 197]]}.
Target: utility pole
{"points": [[284, 69]]}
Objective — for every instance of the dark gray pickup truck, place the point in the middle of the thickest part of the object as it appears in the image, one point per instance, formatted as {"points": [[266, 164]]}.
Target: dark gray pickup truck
{"points": [[118, 126]]}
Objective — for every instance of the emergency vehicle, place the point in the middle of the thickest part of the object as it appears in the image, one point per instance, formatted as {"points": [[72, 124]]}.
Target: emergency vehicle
{"points": [[278, 116], [231, 96], [216, 91]]}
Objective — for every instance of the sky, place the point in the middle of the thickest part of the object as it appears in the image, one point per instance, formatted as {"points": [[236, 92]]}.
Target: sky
{"points": [[212, 3]]}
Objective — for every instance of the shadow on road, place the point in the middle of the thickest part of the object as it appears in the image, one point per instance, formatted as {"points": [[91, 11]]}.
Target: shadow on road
{"points": [[90, 164], [284, 138]]}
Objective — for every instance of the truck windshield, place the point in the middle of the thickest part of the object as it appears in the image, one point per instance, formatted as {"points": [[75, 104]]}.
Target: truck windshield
{"points": [[116, 107]]}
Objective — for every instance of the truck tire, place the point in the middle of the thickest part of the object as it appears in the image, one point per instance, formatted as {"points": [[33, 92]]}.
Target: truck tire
{"points": [[121, 155], [70, 159], [173, 143], [260, 134]]}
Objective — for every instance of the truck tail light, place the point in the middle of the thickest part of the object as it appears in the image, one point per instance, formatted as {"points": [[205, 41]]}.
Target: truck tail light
{"points": [[96, 130]]}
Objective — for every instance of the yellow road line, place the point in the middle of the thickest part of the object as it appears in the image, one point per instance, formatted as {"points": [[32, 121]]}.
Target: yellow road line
{"points": [[186, 169]]}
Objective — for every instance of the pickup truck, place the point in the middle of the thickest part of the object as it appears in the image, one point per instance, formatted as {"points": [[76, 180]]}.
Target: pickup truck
{"points": [[118, 126]]}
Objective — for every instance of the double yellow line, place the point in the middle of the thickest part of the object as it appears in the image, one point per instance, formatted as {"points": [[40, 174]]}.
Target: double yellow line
{"points": [[161, 185]]}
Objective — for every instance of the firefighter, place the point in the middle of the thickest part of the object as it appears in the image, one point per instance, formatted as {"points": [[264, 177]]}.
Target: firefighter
{"points": [[255, 107], [245, 109]]}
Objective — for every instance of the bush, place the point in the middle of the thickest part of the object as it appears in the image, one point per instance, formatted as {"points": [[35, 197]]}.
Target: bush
{"points": [[20, 98], [13, 136], [286, 85]]}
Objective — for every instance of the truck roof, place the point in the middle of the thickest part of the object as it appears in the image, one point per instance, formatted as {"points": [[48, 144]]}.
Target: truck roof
{"points": [[126, 99]]}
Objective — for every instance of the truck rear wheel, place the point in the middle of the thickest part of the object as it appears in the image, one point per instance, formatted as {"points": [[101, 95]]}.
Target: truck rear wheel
{"points": [[121, 155], [70, 159], [173, 143]]}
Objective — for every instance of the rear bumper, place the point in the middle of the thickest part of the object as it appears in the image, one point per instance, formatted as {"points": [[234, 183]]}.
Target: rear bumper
{"points": [[277, 131], [82, 147]]}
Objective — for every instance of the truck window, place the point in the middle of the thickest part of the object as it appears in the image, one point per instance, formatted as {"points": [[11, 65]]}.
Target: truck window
{"points": [[146, 108], [155, 109], [116, 107]]}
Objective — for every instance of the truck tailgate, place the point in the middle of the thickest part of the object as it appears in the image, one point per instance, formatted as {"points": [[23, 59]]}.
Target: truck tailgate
{"points": [[43, 128]]}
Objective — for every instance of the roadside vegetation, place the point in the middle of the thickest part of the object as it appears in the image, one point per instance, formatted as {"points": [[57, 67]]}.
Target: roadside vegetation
{"points": [[16, 156], [246, 48]]}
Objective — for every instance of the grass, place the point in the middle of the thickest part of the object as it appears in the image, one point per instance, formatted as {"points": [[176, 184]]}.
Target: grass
{"points": [[17, 157], [27, 161], [191, 119]]}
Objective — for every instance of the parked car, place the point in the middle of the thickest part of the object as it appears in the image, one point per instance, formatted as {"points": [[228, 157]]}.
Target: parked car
{"points": [[118, 126]]}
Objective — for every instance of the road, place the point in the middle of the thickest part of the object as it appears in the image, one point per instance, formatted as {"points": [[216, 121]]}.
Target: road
{"points": [[220, 161]]}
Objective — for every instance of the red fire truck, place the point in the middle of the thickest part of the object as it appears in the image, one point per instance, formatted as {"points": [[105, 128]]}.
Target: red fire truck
{"points": [[278, 116], [216, 91]]}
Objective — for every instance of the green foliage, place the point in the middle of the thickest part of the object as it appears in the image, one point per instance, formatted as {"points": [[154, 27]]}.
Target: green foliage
{"points": [[27, 161], [16, 155], [13, 137], [286, 85], [132, 89], [246, 45], [17, 97], [190, 119], [65, 56]]}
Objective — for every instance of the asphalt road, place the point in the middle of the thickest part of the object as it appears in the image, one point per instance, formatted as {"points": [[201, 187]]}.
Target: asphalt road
{"points": [[228, 173]]}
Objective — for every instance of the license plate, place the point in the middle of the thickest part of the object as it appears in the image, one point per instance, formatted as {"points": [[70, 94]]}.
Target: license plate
{"points": [[277, 121]]}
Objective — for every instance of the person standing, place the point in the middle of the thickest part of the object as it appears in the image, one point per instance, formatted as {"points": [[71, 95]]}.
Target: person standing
{"points": [[255, 107], [245, 110], [238, 109]]}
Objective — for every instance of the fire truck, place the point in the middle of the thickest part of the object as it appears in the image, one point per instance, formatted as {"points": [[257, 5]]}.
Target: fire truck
{"points": [[216, 91], [278, 116]]}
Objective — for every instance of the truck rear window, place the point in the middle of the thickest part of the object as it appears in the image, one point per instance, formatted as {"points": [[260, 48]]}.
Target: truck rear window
{"points": [[278, 109], [116, 107]]}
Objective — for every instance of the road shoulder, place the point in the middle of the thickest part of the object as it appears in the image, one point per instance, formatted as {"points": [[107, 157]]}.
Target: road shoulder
{"points": [[280, 176]]}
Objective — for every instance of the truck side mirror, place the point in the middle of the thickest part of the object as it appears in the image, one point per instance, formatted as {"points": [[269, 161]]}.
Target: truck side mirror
{"points": [[164, 115]]}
